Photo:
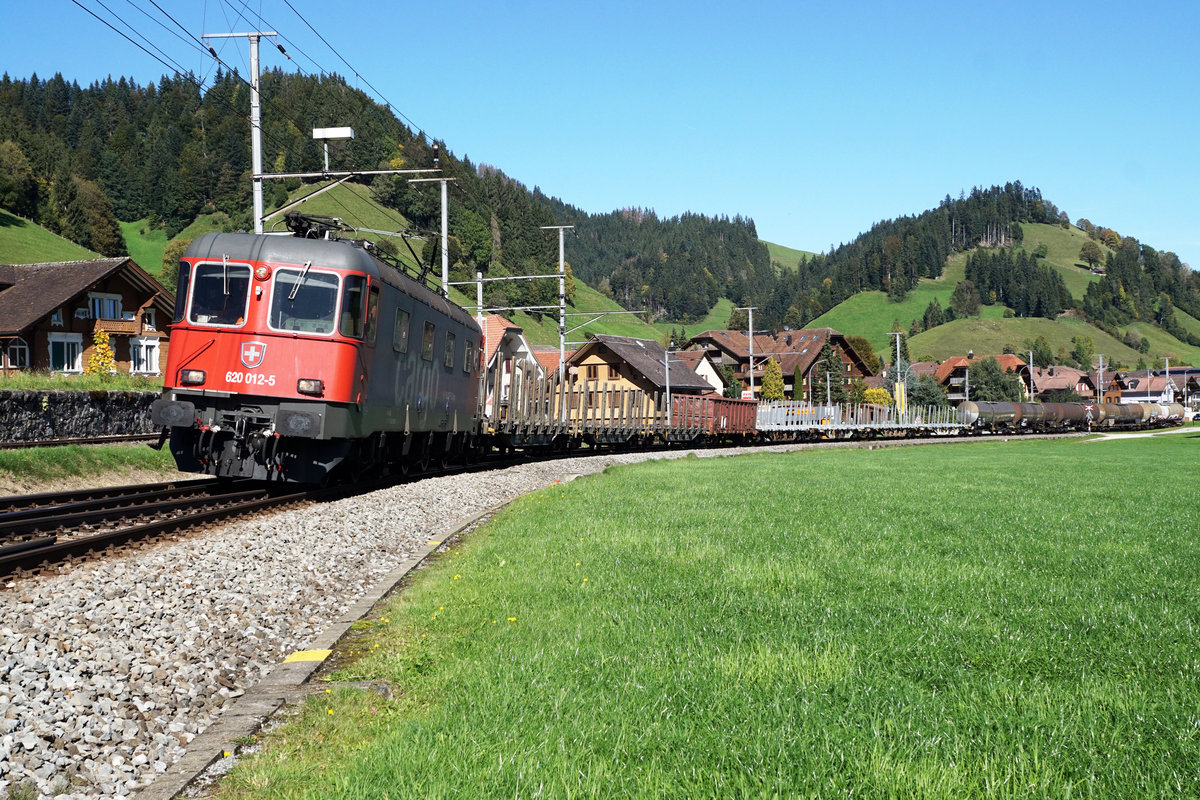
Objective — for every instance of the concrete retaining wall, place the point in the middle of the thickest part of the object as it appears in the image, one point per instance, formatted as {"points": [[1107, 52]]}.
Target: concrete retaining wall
{"points": [[37, 415]]}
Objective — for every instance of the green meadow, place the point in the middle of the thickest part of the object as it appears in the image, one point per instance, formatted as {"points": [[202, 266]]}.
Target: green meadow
{"points": [[973, 620]]}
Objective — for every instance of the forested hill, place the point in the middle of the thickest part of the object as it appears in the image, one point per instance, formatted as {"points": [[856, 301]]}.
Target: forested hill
{"points": [[78, 159]]}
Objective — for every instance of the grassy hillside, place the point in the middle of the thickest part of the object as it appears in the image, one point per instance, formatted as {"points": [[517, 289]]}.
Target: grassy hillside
{"points": [[786, 256], [1163, 345], [992, 336], [871, 314], [22, 242], [145, 244], [1062, 253]]}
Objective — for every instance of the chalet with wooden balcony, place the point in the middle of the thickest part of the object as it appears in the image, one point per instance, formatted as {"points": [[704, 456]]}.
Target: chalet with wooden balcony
{"points": [[50, 314], [797, 353]]}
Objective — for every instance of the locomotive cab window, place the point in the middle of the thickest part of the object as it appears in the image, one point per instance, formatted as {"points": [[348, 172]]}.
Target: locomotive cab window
{"points": [[303, 300], [372, 315], [468, 355], [400, 333], [354, 299], [185, 280], [448, 356], [220, 293], [427, 342]]}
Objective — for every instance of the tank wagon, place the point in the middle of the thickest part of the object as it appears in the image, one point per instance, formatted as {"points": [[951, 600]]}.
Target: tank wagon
{"points": [[995, 417]]}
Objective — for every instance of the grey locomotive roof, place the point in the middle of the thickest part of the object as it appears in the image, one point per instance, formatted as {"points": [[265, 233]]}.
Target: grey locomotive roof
{"points": [[333, 254]]}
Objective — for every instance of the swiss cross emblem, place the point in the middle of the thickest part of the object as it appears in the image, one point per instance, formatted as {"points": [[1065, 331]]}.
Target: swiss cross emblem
{"points": [[253, 353]]}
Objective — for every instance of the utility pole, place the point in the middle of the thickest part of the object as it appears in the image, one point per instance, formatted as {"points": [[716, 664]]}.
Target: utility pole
{"points": [[256, 176], [562, 297], [1030, 375], [1168, 360], [900, 391], [1100, 381], [667, 364], [750, 335], [445, 222]]}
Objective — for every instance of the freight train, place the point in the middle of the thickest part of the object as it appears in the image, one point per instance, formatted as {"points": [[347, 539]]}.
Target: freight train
{"points": [[309, 358]]}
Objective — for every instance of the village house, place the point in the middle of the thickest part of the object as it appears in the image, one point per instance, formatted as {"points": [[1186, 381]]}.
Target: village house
{"points": [[50, 314], [614, 363], [1144, 387], [508, 358], [1058, 378], [797, 353], [954, 374]]}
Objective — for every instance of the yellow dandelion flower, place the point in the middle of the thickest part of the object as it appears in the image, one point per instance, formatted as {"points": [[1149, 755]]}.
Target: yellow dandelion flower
{"points": [[329, 711], [585, 580], [577, 563], [512, 619], [456, 577], [228, 754], [329, 691]]}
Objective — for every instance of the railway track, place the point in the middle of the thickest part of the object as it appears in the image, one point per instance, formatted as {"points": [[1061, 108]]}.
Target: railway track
{"points": [[37, 531]]}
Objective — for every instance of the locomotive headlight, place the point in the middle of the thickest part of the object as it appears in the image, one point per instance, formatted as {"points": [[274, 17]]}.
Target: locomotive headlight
{"points": [[191, 377], [313, 386]]}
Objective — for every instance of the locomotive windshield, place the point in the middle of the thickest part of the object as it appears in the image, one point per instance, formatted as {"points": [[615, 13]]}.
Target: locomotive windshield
{"points": [[304, 300], [219, 294]]}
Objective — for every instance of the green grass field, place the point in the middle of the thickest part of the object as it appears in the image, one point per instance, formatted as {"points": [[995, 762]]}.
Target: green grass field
{"points": [[871, 314], [786, 257], [991, 336], [962, 621], [1062, 253], [146, 245], [22, 242]]}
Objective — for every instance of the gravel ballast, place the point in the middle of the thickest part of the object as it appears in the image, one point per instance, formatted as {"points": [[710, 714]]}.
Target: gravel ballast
{"points": [[109, 671]]}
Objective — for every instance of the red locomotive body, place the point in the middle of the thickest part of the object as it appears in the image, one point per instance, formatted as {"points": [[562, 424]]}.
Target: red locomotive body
{"points": [[290, 358]]}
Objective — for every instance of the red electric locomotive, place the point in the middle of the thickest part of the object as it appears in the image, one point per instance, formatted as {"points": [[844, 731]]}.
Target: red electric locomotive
{"points": [[293, 357]]}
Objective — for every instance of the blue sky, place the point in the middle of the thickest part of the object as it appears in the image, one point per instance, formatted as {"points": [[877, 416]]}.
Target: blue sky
{"points": [[814, 119]]}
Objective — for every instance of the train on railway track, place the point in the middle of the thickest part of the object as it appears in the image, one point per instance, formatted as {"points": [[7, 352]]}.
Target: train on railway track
{"points": [[311, 357]]}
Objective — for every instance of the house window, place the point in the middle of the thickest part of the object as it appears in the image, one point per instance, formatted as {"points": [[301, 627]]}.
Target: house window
{"points": [[66, 352], [448, 354], [104, 305], [400, 333], [148, 319], [18, 354], [427, 342], [614, 371], [143, 355], [593, 372], [56, 319]]}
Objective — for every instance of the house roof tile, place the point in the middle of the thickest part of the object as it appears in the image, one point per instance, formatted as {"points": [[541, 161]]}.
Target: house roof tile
{"points": [[37, 289]]}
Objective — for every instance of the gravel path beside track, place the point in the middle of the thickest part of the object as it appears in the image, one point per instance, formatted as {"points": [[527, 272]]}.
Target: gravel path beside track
{"points": [[108, 672]]}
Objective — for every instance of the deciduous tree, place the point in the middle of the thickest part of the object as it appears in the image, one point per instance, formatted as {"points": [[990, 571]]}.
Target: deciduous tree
{"points": [[1091, 253], [772, 382]]}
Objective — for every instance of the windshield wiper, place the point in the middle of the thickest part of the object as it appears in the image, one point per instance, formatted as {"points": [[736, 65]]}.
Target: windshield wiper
{"points": [[300, 280]]}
